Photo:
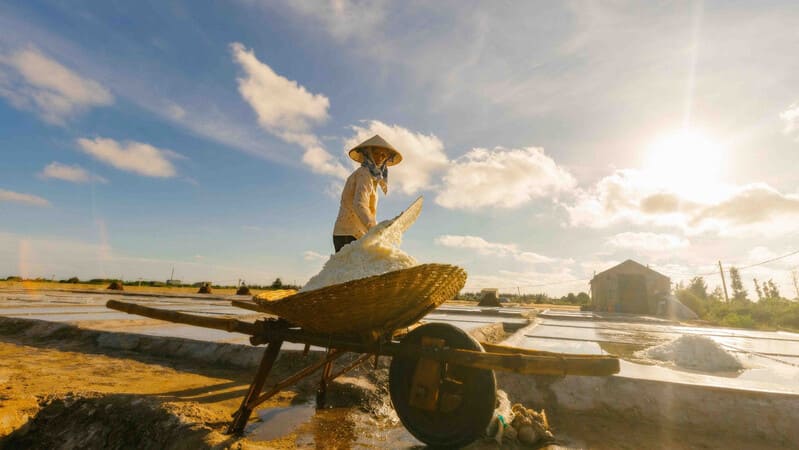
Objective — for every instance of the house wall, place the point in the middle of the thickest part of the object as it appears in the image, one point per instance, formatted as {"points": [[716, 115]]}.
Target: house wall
{"points": [[605, 288]]}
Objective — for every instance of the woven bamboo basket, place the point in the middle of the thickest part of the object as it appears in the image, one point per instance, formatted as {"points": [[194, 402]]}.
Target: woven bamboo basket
{"points": [[370, 306], [275, 294]]}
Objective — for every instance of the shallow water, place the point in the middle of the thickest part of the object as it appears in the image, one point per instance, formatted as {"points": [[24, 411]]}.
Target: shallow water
{"points": [[306, 426], [274, 423], [770, 358]]}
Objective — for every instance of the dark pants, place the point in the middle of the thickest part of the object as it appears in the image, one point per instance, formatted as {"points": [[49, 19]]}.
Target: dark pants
{"points": [[341, 241]]}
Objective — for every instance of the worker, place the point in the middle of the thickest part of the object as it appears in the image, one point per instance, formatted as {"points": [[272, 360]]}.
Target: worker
{"points": [[358, 210]]}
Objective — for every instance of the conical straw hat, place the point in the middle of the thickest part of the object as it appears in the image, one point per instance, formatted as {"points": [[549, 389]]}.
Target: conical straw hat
{"points": [[375, 141]]}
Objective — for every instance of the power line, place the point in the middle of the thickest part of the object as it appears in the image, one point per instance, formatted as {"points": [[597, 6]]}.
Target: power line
{"points": [[770, 260], [714, 272], [704, 274]]}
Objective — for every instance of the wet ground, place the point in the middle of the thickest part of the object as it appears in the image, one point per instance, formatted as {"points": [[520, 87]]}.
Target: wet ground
{"points": [[42, 379], [87, 309], [771, 358], [62, 393], [34, 362]]}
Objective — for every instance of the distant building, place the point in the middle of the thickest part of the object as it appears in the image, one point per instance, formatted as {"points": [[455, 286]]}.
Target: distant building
{"points": [[171, 282], [489, 297], [629, 287]]}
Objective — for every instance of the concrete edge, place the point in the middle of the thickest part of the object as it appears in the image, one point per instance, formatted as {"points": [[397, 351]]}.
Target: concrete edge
{"points": [[216, 353], [766, 415]]}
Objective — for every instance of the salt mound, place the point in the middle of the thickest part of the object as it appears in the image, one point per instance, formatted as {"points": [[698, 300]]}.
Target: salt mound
{"points": [[694, 352], [376, 253]]}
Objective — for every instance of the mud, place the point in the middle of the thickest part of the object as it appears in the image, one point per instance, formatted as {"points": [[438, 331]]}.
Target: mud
{"points": [[116, 421]]}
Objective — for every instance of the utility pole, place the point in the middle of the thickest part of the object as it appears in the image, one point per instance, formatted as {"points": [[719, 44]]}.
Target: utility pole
{"points": [[724, 283]]}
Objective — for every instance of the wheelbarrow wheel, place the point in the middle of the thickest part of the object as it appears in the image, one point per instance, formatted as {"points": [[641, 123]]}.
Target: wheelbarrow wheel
{"points": [[467, 396]]}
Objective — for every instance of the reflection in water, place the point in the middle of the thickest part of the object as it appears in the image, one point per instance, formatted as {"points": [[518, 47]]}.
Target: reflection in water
{"points": [[770, 359], [623, 350], [333, 428], [339, 428], [278, 422]]}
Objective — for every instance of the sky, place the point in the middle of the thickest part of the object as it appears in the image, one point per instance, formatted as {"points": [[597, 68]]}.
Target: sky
{"points": [[550, 140]]}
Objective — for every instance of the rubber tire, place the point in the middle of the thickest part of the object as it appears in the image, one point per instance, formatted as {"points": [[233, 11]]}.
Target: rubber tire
{"points": [[439, 429]]}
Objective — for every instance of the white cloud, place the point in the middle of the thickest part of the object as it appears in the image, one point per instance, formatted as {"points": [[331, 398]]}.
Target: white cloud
{"points": [[760, 253], [476, 243], [282, 105], [553, 283], [286, 109], [629, 196], [175, 111], [647, 242], [752, 207], [41, 84], [791, 119], [484, 247], [504, 178], [74, 174], [344, 18], [17, 197], [334, 189], [136, 157], [779, 271], [320, 161], [597, 263], [423, 155], [310, 255]]}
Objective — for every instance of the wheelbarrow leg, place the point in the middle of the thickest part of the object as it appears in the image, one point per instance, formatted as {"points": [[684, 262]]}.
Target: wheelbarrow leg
{"points": [[321, 392], [241, 416]]}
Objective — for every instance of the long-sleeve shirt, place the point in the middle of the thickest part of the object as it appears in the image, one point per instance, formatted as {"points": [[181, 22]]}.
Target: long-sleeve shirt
{"points": [[358, 209]]}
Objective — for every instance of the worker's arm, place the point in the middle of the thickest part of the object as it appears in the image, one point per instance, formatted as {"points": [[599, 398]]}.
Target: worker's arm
{"points": [[361, 202]]}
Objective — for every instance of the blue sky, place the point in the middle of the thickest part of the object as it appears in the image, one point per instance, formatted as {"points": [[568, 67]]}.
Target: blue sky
{"points": [[550, 140]]}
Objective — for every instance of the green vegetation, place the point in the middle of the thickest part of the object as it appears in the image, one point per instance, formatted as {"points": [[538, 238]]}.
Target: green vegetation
{"points": [[581, 298], [277, 284], [771, 311]]}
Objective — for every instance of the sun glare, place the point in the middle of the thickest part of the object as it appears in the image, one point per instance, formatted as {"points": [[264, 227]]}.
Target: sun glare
{"points": [[686, 162]]}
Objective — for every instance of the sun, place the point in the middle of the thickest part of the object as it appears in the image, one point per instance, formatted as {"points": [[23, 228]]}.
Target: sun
{"points": [[686, 162]]}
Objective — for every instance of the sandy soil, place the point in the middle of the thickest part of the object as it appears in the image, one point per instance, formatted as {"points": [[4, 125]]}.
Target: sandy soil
{"points": [[33, 376], [60, 393]]}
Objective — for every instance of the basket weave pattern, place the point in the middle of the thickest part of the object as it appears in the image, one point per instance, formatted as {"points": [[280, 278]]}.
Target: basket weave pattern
{"points": [[275, 294], [373, 305]]}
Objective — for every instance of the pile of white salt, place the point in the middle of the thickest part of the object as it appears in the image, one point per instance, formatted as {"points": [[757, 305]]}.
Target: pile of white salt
{"points": [[694, 352], [376, 253]]}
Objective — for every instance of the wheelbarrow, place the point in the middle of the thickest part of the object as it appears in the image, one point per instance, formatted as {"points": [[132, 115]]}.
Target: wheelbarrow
{"points": [[441, 380]]}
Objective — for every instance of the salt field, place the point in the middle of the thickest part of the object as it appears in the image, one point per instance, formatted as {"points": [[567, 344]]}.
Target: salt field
{"points": [[770, 358], [88, 310]]}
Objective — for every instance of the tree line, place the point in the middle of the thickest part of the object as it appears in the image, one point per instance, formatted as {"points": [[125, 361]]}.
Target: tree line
{"points": [[581, 298], [771, 310], [277, 284]]}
